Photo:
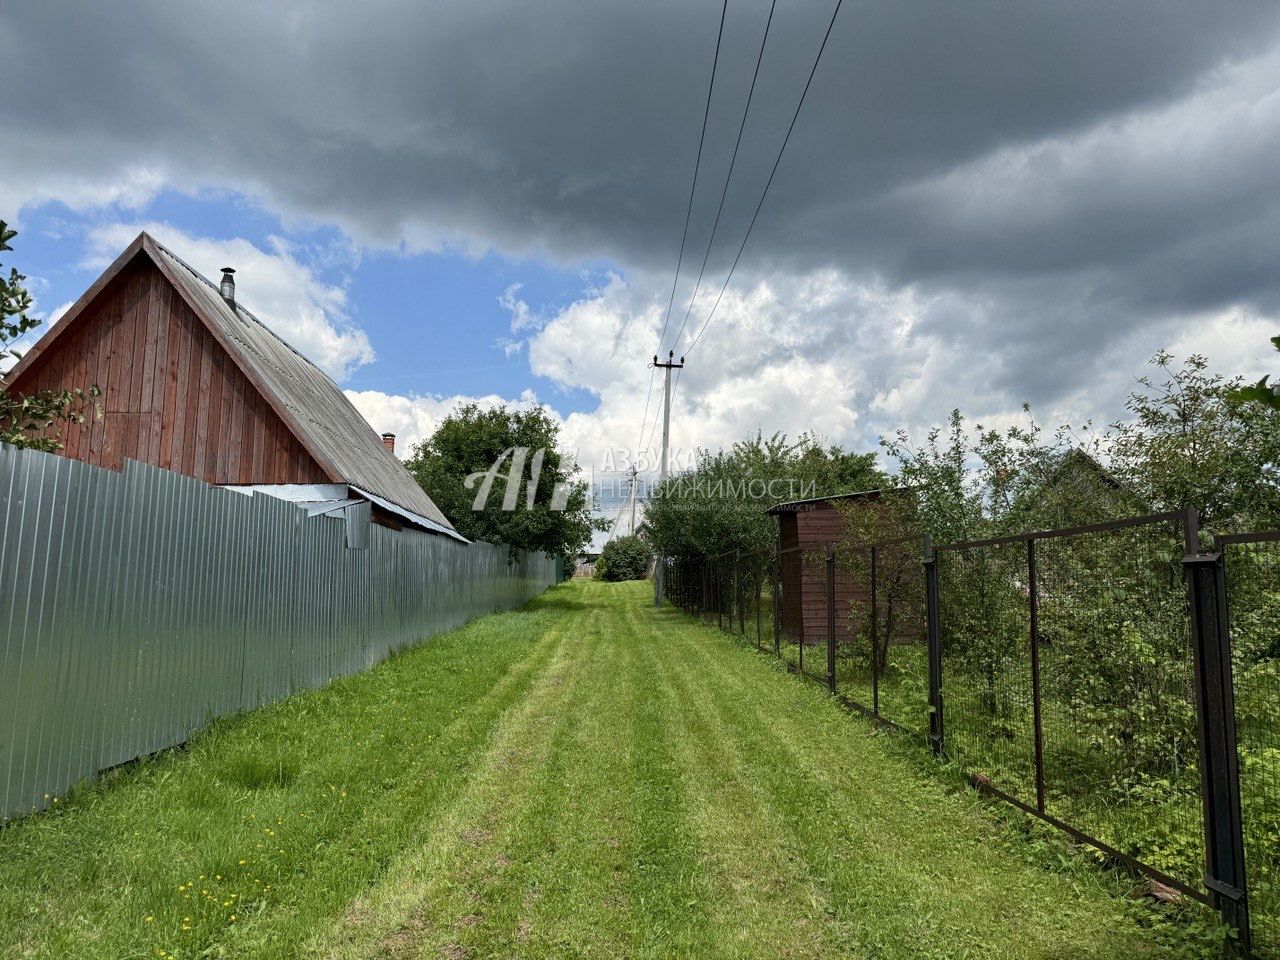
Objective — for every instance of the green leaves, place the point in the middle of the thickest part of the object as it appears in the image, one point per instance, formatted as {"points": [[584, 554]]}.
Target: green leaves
{"points": [[473, 440], [719, 505], [624, 558]]}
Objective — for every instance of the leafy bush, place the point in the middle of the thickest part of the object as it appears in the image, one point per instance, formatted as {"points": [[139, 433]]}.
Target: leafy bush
{"points": [[625, 558]]}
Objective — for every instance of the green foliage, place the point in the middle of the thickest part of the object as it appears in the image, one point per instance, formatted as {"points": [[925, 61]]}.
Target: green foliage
{"points": [[969, 483], [1190, 441], [624, 558], [472, 440], [1261, 392], [720, 505], [30, 420]]}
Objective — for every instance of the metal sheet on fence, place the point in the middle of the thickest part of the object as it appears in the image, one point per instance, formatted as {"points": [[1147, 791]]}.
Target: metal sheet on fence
{"points": [[137, 606]]}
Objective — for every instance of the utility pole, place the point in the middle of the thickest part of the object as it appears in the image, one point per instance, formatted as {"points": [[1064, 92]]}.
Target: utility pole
{"points": [[659, 579], [633, 499]]}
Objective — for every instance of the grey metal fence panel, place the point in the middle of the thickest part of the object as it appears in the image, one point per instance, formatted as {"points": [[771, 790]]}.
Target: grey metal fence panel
{"points": [[136, 606]]}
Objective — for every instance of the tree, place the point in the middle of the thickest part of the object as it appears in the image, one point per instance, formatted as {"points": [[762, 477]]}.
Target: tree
{"points": [[473, 447], [1193, 440], [30, 420], [1261, 392], [720, 505], [624, 558]]}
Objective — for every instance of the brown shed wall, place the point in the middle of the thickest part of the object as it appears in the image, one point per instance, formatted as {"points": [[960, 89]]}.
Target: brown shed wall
{"points": [[803, 536], [171, 396]]}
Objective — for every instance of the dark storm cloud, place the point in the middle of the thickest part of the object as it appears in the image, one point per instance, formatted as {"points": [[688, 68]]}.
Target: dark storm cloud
{"points": [[1050, 172]]}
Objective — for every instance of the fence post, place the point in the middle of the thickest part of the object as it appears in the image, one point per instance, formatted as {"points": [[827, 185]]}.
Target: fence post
{"points": [[875, 638], [777, 608], [740, 595], [755, 602], [720, 593], [1033, 603], [1215, 710], [933, 633], [831, 618]]}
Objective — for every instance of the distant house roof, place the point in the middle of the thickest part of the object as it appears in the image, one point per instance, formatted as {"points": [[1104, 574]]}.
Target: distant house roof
{"points": [[313, 407]]}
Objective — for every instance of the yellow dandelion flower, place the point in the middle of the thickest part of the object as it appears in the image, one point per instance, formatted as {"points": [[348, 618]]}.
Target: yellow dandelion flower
{"points": [[151, 919]]}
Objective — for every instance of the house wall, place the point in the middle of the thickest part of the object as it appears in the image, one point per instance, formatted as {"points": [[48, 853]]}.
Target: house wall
{"points": [[803, 536], [171, 396]]}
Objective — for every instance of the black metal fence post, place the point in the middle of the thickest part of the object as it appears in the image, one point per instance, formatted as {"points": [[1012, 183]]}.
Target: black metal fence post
{"points": [[933, 629], [1033, 602], [1215, 709], [875, 641], [777, 608], [831, 618]]}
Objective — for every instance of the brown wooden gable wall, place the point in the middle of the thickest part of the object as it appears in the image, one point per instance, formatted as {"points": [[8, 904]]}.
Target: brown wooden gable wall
{"points": [[171, 395], [804, 574]]}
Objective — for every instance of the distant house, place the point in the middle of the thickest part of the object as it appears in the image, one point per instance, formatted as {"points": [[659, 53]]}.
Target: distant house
{"points": [[1076, 490], [193, 382]]}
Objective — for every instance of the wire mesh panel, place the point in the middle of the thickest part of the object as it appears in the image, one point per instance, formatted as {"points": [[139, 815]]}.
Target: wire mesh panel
{"points": [[816, 609], [1253, 605], [790, 600], [1117, 692], [855, 649], [986, 663], [901, 635]]}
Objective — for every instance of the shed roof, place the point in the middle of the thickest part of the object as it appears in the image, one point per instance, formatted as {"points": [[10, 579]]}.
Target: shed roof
{"points": [[794, 506], [313, 407]]}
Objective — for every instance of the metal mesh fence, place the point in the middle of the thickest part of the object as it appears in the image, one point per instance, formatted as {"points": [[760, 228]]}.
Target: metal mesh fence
{"points": [[881, 631], [1086, 675], [986, 663], [1117, 692], [1253, 590]]}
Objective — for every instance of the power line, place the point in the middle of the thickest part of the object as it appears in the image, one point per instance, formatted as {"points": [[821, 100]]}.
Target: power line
{"points": [[693, 189], [769, 182], [729, 176], [684, 237], [645, 419]]}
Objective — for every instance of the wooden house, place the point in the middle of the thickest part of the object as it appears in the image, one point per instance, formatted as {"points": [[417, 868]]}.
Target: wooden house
{"points": [[805, 528], [193, 382]]}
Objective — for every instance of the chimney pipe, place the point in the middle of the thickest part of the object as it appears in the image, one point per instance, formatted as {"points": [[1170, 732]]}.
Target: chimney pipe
{"points": [[228, 286], [389, 441]]}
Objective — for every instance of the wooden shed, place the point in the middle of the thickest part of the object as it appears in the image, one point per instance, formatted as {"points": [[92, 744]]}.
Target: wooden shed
{"points": [[193, 382], [805, 528]]}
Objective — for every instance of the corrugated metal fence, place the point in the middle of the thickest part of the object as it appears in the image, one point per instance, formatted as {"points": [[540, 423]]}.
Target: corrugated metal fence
{"points": [[136, 606]]}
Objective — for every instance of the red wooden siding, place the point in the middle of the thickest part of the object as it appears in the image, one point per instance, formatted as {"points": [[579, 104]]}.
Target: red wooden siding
{"points": [[804, 574], [171, 396]]}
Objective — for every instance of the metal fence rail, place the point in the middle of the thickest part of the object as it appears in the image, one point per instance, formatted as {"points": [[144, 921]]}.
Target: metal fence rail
{"points": [[138, 605], [1116, 680]]}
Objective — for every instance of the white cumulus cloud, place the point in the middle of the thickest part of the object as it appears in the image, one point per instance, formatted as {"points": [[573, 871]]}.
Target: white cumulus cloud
{"points": [[279, 289]]}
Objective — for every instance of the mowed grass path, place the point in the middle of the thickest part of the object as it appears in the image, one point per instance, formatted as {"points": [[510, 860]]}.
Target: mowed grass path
{"points": [[586, 778]]}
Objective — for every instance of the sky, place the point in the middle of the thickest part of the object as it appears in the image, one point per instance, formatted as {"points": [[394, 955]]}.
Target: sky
{"points": [[982, 204]]}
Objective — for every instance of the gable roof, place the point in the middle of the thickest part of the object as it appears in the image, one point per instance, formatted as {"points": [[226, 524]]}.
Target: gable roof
{"points": [[313, 407]]}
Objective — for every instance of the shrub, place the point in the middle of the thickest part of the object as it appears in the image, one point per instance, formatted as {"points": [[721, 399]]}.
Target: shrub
{"points": [[625, 558]]}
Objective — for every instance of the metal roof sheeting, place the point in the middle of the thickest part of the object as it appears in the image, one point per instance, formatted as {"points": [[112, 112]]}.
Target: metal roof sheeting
{"points": [[327, 423]]}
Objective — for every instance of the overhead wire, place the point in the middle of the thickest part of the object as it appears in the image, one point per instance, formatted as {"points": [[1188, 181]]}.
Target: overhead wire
{"points": [[768, 183], [742, 126], [693, 188], [688, 214]]}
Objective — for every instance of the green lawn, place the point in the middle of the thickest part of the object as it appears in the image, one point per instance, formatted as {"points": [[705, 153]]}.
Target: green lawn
{"points": [[587, 778]]}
